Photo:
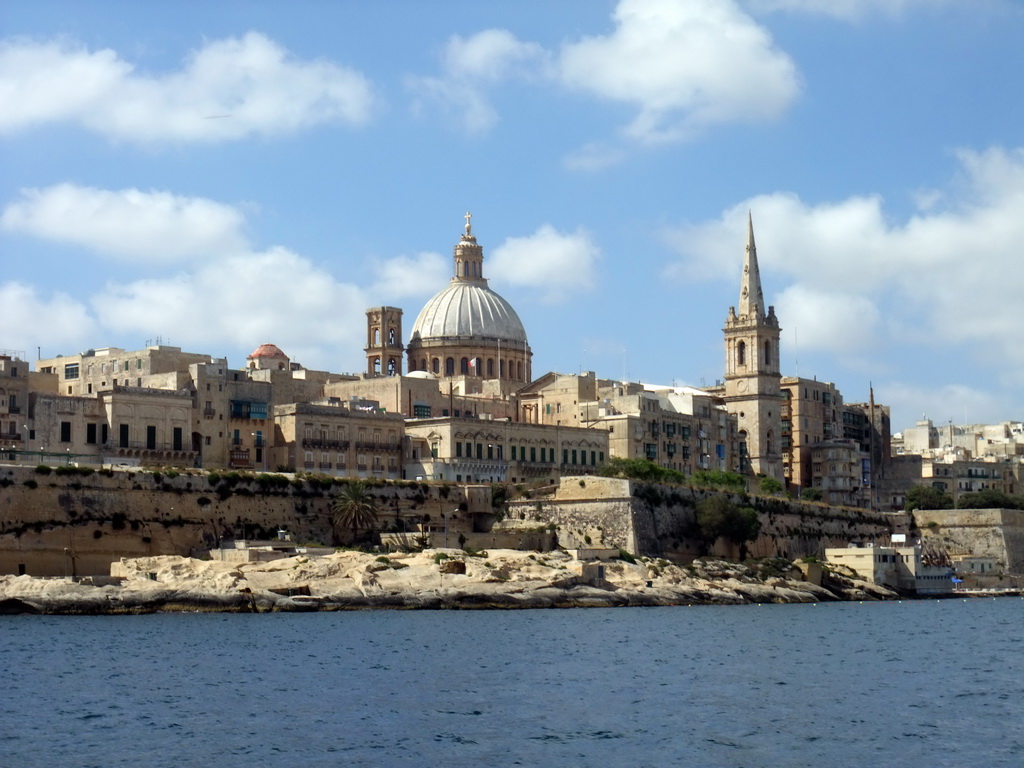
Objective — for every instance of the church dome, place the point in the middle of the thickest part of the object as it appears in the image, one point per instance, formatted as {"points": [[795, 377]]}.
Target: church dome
{"points": [[467, 329], [468, 310]]}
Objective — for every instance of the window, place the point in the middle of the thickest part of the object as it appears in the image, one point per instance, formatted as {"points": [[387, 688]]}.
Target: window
{"points": [[177, 438], [741, 353], [123, 435], [151, 437], [458, 450], [513, 453], [65, 431], [71, 371], [533, 454], [90, 434], [420, 411]]}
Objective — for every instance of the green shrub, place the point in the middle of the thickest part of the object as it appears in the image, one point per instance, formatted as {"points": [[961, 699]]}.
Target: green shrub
{"points": [[624, 555], [42, 469]]}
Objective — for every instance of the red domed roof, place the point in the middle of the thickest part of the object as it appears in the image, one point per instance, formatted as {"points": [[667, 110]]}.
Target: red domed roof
{"points": [[267, 350]]}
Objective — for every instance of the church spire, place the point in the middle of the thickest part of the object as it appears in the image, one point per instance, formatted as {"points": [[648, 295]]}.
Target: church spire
{"points": [[751, 296]]}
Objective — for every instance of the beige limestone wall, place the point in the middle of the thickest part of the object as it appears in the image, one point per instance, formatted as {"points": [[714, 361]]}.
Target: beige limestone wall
{"points": [[78, 525], [995, 533], [656, 520]]}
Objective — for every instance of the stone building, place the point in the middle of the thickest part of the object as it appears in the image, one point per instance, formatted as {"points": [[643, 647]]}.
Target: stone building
{"points": [[679, 428], [473, 450], [343, 438]]}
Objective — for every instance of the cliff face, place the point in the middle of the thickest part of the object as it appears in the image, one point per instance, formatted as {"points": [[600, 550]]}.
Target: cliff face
{"points": [[77, 524], [654, 520]]}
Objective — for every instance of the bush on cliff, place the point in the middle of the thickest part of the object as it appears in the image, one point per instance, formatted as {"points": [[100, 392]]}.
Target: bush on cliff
{"points": [[719, 517], [926, 497]]}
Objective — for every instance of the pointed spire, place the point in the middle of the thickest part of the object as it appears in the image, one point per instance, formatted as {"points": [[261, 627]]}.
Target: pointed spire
{"points": [[751, 296]]}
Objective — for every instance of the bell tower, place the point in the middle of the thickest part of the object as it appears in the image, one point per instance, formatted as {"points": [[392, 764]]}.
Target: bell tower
{"points": [[752, 376], [384, 341]]}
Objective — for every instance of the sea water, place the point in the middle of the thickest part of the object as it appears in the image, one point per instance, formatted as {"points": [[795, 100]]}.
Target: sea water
{"points": [[913, 683]]}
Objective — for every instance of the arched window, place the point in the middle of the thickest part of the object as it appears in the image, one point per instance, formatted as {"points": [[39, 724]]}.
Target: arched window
{"points": [[376, 365], [376, 337], [464, 366], [519, 371], [437, 365], [768, 354], [501, 369], [741, 353], [770, 443], [391, 337], [391, 366], [449, 366], [490, 368], [478, 367]]}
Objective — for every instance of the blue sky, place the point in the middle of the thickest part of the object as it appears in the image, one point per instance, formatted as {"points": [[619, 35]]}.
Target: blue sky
{"points": [[218, 175]]}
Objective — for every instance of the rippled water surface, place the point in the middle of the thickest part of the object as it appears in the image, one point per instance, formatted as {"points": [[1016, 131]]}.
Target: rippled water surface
{"points": [[929, 683]]}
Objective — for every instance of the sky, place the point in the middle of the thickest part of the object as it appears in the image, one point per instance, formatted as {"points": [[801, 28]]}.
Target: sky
{"points": [[215, 176]]}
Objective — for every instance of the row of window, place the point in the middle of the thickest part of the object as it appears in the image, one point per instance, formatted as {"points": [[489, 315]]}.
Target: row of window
{"points": [[472, 366], [98, 434]]}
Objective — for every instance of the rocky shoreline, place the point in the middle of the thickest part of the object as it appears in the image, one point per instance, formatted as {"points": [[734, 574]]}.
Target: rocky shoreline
{"points": [[432, 579]]}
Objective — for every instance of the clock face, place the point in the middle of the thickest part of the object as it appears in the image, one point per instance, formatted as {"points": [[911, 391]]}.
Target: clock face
{"points": [[741, 386]]}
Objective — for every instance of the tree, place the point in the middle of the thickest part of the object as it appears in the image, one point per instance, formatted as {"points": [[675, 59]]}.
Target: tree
{"points": [[927, 497], [770, 485], [810, 494], [354, 507], [989, 498], [719, 517]]}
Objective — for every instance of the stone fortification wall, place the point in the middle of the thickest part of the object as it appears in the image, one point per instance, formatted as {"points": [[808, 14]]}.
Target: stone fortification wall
{"points": [[996, 533], [70, 524], [657, 520], [586, 511]]}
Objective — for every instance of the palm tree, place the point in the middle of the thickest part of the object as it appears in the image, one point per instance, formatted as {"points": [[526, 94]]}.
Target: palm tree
{"points": [[354, 507]]}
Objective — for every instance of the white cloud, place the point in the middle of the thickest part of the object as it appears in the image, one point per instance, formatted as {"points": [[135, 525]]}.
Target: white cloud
{"points": [[228, 89], [950, 275], [553, 263], [141, 227], [685, 65], [57, 318], [469, 65], [243, 300], [405, 276]]}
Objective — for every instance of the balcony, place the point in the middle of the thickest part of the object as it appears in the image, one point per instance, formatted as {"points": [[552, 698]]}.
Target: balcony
{"points": [[321, 444], [209, 413], [388, 447]]}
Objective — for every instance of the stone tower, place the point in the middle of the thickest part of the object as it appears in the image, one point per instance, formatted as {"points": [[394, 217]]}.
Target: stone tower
{"points": [[752, 376], [384, 348]]}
